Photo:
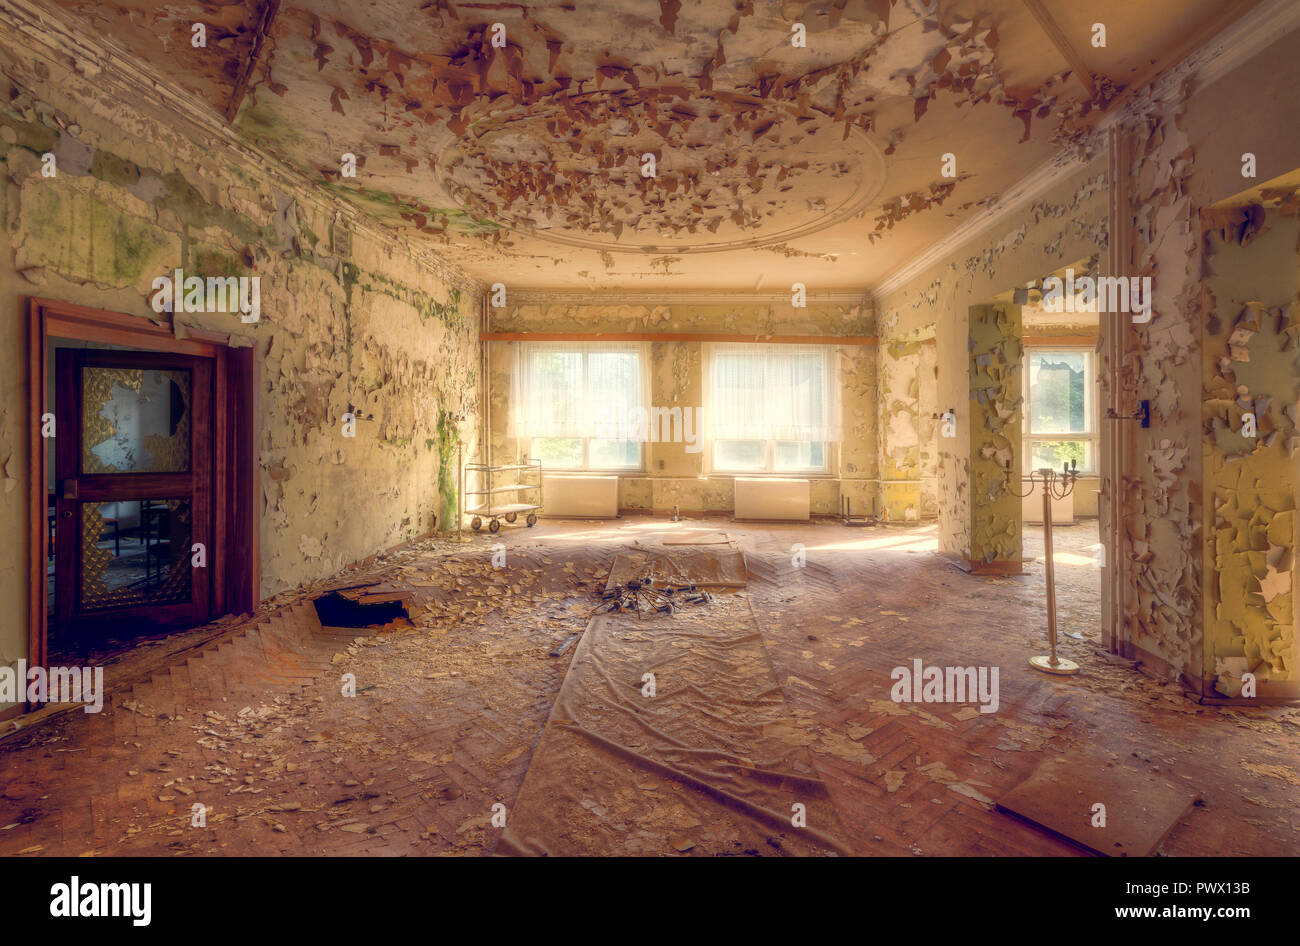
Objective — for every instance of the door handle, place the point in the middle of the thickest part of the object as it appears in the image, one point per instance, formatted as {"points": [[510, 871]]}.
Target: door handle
{"points": [[69, 489]]}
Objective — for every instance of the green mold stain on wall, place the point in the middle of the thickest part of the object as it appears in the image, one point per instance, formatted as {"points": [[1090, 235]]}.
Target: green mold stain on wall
{"points": [[110, 247], [462, 222], [995, 356], [426, 306], [262, 123], [448, 494], [400, 212], [135, 246], [184, 199]]}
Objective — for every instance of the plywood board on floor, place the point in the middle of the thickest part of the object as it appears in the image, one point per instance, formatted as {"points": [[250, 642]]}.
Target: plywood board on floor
{"points": [[711, 567], [1140, 808]]}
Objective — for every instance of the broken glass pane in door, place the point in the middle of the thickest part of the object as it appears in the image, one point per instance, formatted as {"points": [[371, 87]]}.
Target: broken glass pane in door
{"points": [[135, 420]]}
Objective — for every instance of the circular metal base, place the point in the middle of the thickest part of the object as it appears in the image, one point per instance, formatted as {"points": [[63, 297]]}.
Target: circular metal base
{"points": [[1063, 667]]}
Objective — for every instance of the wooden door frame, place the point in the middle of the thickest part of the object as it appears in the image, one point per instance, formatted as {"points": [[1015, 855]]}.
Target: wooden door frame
{"points": [[235, 525]]}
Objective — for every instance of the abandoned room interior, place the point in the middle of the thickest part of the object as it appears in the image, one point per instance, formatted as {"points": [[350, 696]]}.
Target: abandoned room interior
{"points": [[650, 428]]}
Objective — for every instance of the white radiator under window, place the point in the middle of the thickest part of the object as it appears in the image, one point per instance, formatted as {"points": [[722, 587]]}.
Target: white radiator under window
{"points": [[580, 496], [772, 498]]}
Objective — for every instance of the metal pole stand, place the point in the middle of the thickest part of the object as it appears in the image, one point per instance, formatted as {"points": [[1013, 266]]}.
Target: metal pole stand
{"points": [[1055, 486]]}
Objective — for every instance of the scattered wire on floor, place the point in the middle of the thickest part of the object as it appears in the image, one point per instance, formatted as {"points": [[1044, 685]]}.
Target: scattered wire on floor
{"points": [[645, 595]]}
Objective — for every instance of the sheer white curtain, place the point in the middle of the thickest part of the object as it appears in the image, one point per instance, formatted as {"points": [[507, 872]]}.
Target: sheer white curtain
{"points": [[576, 389], [773, 392]]}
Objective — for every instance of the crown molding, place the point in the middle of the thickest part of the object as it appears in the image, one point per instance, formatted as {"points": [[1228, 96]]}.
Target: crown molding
{"points": [[1034, 184], [1231, 48]]}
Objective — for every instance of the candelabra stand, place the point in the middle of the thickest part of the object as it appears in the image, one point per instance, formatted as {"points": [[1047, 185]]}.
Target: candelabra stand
{"points": [[1055, 486]]}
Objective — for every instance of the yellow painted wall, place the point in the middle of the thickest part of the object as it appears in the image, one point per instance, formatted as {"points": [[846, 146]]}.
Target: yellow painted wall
{"points": [[925, 324], [673, 476], [372, 324], [1251, 363]]}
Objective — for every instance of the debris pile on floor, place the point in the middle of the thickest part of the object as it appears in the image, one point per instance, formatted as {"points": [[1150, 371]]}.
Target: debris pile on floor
{"points": [[659, 580], [644, 594], [706, 567]]}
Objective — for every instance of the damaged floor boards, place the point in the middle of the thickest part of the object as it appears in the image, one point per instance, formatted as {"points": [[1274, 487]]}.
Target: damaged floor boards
{"points": [[364, 606], [1140, 809], [448, 712]]}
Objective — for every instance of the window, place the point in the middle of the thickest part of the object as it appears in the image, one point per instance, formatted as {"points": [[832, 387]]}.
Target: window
{"points": [[772, 408], [572, 401], [1060, 410]]}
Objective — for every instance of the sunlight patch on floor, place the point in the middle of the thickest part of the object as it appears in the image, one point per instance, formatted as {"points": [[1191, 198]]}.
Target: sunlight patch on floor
{"points": [[917, 540], [1072, 558]]}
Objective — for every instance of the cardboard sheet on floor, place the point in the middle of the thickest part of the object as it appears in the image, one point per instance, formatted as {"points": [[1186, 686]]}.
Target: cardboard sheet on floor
{"points": [[1141, 808], [711, 567], [712, 764]]}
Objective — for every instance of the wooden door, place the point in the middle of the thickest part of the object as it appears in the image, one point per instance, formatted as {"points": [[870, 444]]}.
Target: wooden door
{"points": [[132, 486]]}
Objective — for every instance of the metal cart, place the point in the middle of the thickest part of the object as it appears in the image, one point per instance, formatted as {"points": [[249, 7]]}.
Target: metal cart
{"points": [[490, 507]]}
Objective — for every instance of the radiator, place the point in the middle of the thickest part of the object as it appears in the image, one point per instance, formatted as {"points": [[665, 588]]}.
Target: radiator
{"points": [[770, 498], [579, 496]]}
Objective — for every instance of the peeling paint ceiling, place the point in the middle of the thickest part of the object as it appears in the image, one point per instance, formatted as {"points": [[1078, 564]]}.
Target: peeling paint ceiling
{"points": [[519, 152]]}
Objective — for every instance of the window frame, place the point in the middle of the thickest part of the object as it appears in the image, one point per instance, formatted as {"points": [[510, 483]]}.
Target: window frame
{"points": [[769, 467], [584, 350], [769, 445], [1091, 436], [586, 466]]}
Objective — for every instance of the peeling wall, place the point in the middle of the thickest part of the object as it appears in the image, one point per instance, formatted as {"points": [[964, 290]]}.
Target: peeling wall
{"points": [[908, 371], [1160, 496], [927, 332], [350, 318], [672, 475], [1252, 365], [1205, 516], [994, 407]]}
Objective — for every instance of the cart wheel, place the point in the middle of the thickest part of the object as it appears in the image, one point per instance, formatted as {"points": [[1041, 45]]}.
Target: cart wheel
{"points": [[531, 520], [494, 525], [511, 516], [476, 523]]}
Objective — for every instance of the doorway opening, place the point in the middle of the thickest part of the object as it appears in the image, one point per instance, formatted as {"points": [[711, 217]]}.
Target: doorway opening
{"points": [[143, 473], [1060, 430]]}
